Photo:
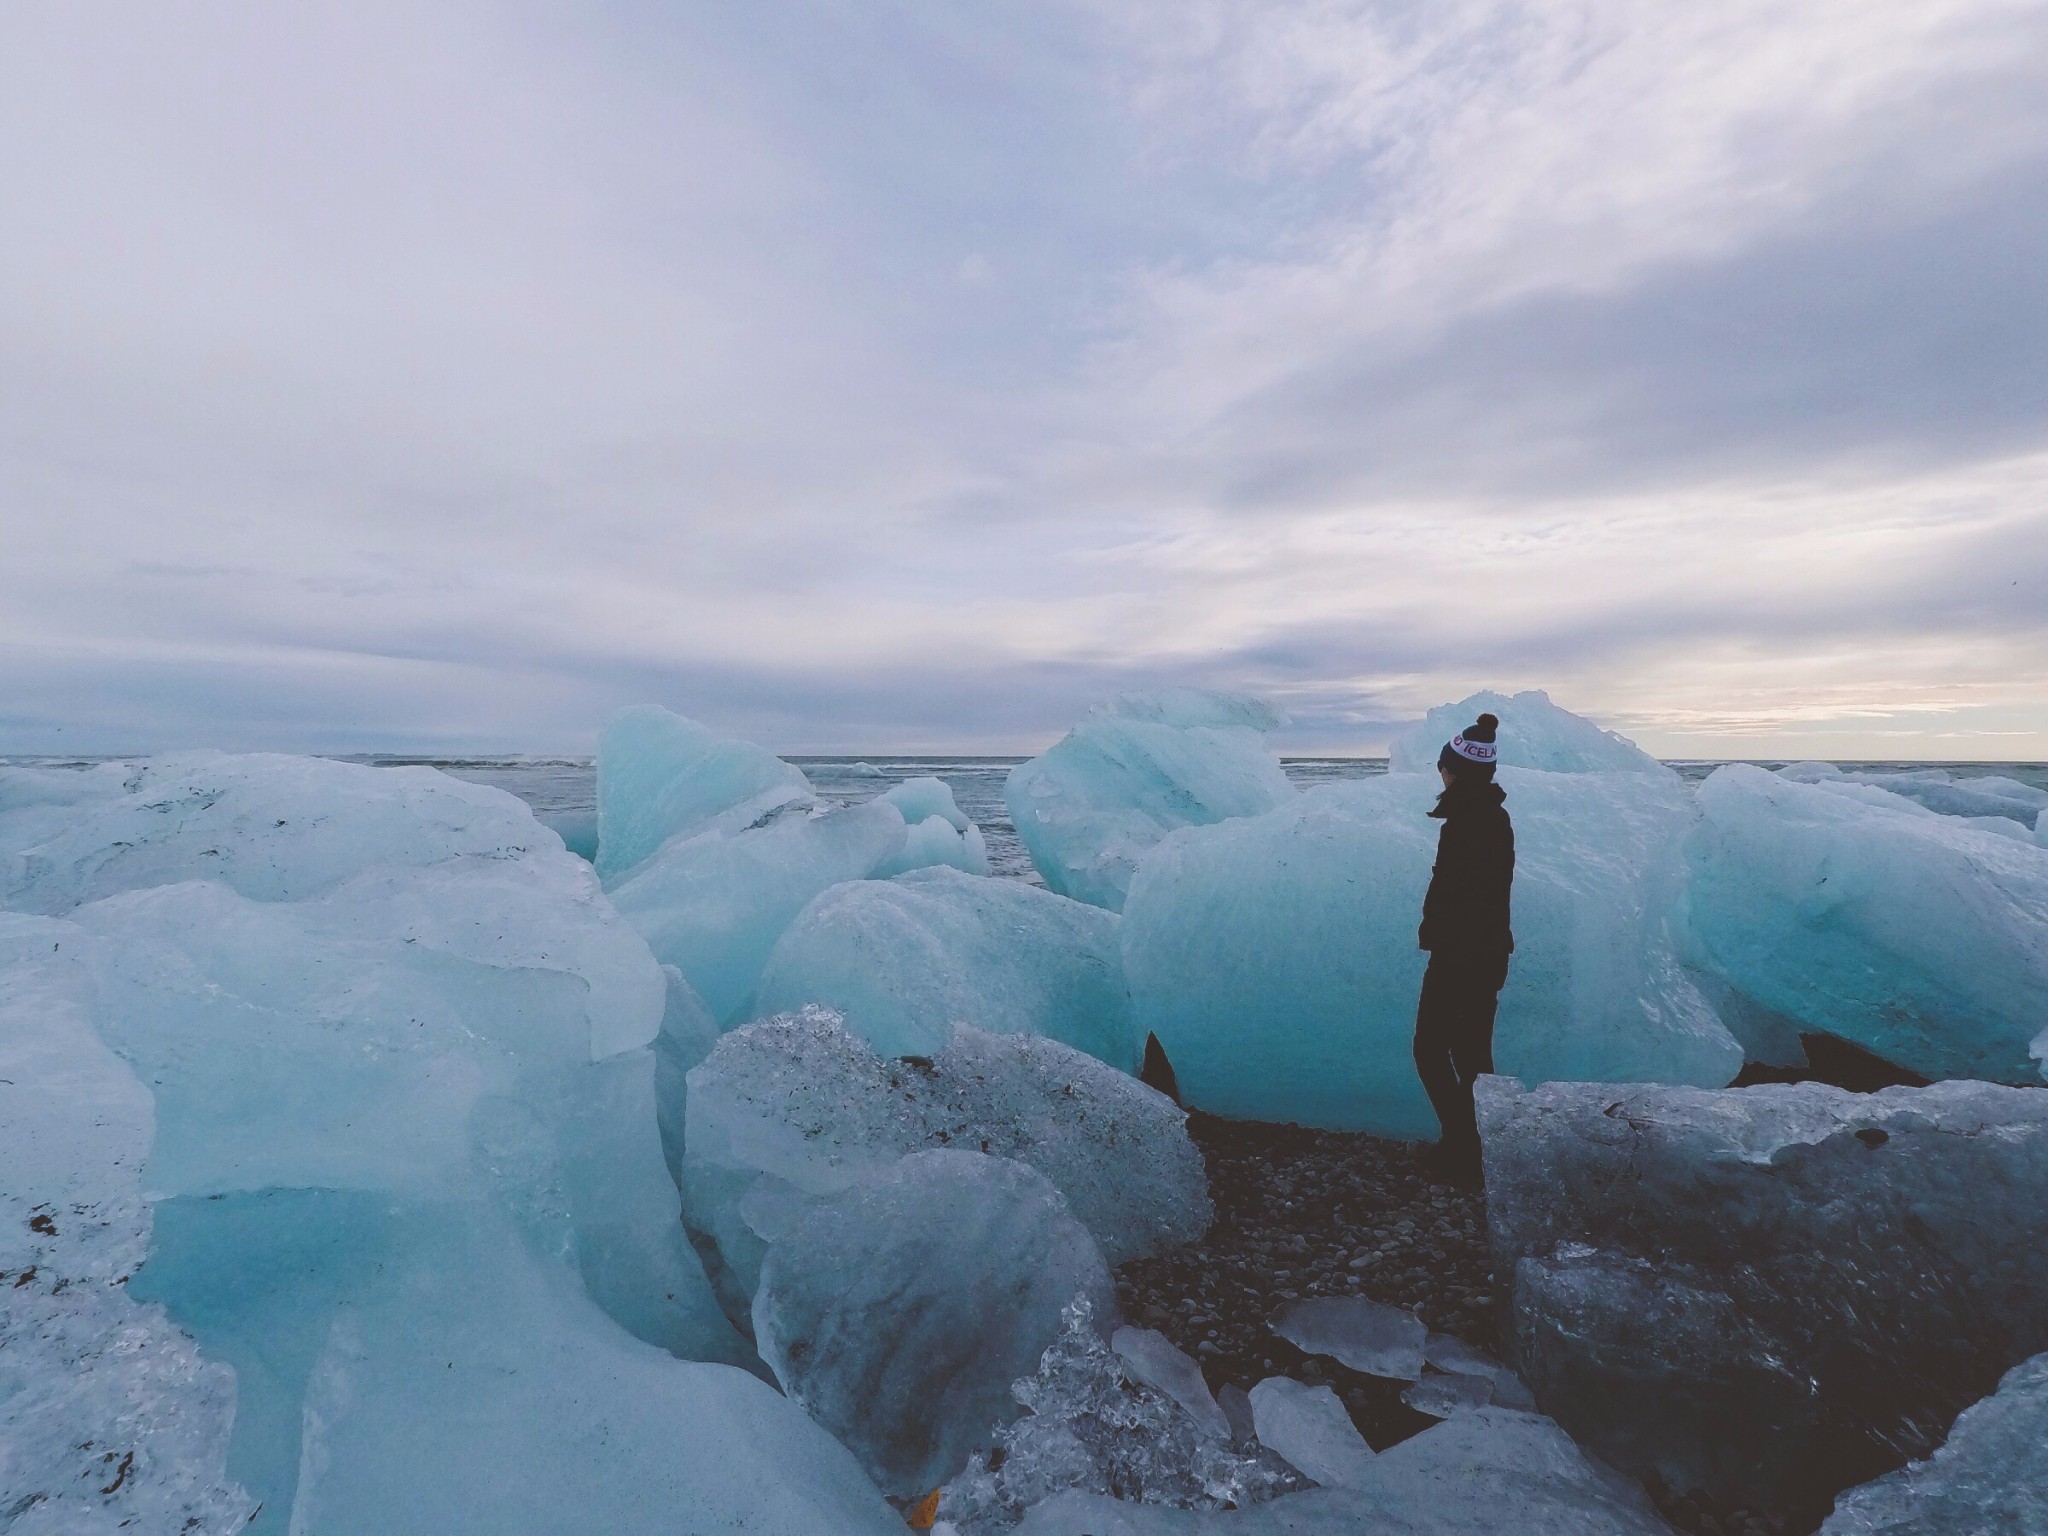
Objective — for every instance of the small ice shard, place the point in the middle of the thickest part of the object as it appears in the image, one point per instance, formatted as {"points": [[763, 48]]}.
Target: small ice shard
{"points": [[1534, 733], [1309, 1429], [1154, 1360], [904, 960], [1090, 807], [799, 1103], [661, 776], [1987, 1480], [1451, 1354], [1275, 959], [1368, 1336], [1094, 1426], [1855, 914], [1443, 1395], [898, 1311], [1734, 1289]]}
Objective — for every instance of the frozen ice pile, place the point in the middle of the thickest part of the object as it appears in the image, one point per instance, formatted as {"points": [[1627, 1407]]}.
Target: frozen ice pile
{"points": [[1990, 1479], [1534, 733], [1851, 912], [1768, 1293], [1973, 796], [1091, 806], [711, 847], [1275, 956], [899, 1310], [392, 1097], [904, 960], [796, 1107]]}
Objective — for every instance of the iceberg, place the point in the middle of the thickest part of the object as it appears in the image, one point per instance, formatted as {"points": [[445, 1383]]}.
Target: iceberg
{"points": [[1275, 956], [269, 827], [1854, 914], [1974, 796], [1090, 807], [1768, 1293], [1368, 1336], [1308, 1428], [661, 776], [940, 833], [1986, 1481], [898, 1311], [903, 960], [796, 1107], [1534, 733]]}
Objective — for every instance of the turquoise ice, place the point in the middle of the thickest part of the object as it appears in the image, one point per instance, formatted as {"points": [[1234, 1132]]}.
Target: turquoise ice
{"points": [[1534, 733]]}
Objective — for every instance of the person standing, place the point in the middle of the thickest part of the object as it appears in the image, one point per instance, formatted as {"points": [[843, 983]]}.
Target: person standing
{"points": [[1465, 930]]}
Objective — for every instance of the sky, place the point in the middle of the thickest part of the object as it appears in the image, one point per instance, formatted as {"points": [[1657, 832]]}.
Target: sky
{"points": [[895, 374]]}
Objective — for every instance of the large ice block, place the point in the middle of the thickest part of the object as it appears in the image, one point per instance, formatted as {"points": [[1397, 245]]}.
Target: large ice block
{"points": [[940, 833], [1768, 1293], [796, 1106], [1275, 956], [1916, 936], [661, 776], [273, 828], [714, 905], [1091, 806], [898, 1311], [1990, 1479], [1534, 733], [904, 960]]}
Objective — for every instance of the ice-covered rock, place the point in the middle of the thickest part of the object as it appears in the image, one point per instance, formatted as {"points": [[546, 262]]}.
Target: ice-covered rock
{"points": [[1152, 1358], [1368, 1336], [1308, 1428], [1275, 956], [1091, 806], [940, 833], [714, 905], [661, 776], [1990, 1479], [796, 1106], [1534, 733], [1096, 1422], [1768, 1293], [898, 1311], [270, 827], [906, 959], [1916, 936]]}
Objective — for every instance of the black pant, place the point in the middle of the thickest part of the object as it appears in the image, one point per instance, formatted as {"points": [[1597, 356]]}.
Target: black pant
{"points": [[1454, 1038]]}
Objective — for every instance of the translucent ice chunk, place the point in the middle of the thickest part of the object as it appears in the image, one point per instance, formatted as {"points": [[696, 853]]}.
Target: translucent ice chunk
{"points": [[1368, 1336], [898, 1312], [1153, 1359], [1455, 1355], [1914, 935], [660, 776], [1986, 1480], [905, 959], [1091, 806], [1738, 1288], [1309, 1428], [1444, 1395], [799, 1104], [1534, 733], [939, 833], [714, 905], [273, 828], [1275, 957]]}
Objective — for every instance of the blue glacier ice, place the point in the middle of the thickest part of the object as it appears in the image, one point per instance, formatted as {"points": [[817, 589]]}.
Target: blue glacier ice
{"points": [[1275, 956], [904, 960], [1534, 733], [1091, 806], [797, 1107], [1939, 790], [899, 1310], [940, 834], [661, 776], [1854, 913]]}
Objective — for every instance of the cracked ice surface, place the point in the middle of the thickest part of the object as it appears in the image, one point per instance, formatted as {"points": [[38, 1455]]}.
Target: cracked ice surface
{"points": [[898, 1311], [1092, 805], [1990, 1479], [1768, 1293], [1917, 936], [797, 1106]]}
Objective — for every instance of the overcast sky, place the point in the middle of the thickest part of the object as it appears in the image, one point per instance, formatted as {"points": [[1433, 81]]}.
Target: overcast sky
{"points": [[894, 373]]}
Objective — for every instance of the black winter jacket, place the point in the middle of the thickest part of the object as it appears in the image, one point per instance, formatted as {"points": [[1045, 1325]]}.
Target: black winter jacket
{"points": [[1466, 910]]}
